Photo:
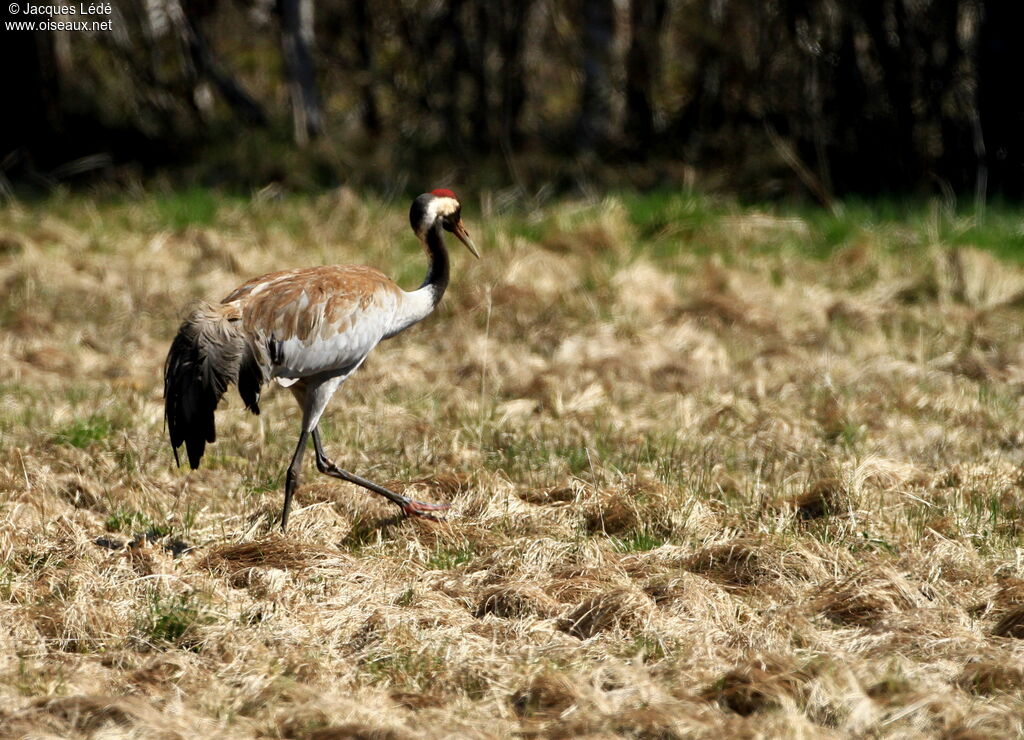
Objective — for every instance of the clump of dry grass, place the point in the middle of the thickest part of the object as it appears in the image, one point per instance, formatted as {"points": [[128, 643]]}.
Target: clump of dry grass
{"points": [[702, 484], [548, 693], [824, 497], [869, 595], [761, 684], [1009, 593], [612, 512], [736, 563], [988, 677], [355, 731], [619, 608], [1011, 624], [275, 552], [516, 601], [754, 561], [87, 714]]}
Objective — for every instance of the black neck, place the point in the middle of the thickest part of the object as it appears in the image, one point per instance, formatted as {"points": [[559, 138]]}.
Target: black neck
{"points": [[438, 273]]}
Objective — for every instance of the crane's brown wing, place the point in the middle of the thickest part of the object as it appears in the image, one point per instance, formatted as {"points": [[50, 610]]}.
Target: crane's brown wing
{"points": [[319, 320]]}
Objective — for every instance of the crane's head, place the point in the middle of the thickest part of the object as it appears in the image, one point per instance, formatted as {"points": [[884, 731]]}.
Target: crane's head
{"points": [[440, 208]]}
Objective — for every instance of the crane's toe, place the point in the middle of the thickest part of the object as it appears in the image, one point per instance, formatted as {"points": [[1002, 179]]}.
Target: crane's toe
{"points": [[423, 510]]}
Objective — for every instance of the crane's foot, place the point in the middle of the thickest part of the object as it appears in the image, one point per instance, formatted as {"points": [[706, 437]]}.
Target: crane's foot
{"points": [[409, 507], [423, 510]]}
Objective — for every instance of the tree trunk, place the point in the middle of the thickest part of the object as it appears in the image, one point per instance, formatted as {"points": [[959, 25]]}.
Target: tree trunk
{"points": [[895, 162], [593, 128], [364, 52], [454, 22], [704, 112], [642, 65], [957, 162], [296, 47], [480, 119], [205, 64], [1000, 99], [513, 82], [31, 92], [851, 131]]}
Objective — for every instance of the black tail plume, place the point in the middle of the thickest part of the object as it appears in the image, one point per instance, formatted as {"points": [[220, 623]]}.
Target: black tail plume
{"points": [[209, 353]]}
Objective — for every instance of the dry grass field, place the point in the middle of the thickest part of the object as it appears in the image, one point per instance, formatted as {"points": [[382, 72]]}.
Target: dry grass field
{"points": [[714, 472]]}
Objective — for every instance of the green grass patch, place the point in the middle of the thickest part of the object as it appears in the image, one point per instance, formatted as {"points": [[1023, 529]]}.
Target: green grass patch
{"points": [[422, 671], [678, 212], [264, 483], [82, 433], [646, 647], [637, 541], [134, 522], [171, 621], [404, 664], [448, 558], [580, 455], [183, 208], [671, 221]]}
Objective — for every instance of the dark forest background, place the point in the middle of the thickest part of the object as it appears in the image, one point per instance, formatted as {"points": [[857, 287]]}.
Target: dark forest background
{"points": [[823, 98]]}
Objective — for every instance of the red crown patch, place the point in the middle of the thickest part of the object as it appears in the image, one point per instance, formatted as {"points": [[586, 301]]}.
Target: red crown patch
{"points": [[443, 193]]}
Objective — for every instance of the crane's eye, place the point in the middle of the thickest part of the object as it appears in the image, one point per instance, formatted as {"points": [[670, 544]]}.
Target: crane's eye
{"points": [[449, 221]]}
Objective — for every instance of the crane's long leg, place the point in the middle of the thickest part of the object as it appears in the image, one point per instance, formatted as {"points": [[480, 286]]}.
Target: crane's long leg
{"points": [[409, 507], [292, 478]]}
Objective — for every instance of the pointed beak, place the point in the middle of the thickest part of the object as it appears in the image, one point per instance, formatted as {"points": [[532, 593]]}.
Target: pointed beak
{"points": [[460, 231]]}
